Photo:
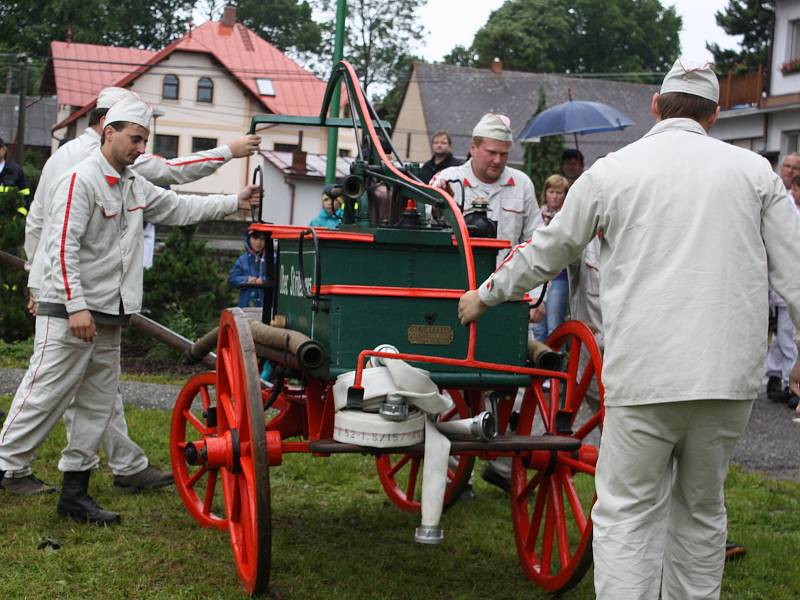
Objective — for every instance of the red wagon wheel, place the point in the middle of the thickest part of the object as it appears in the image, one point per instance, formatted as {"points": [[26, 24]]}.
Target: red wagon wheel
{"points": [[245, 479], [400, 474], [193, 419], [553, 492]]}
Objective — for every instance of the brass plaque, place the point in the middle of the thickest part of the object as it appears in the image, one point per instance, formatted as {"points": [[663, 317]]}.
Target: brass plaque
{"points": [[436, 335]]}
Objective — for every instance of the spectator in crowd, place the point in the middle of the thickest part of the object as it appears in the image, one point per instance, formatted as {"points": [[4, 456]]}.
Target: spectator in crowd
{"points": [[571, 164], [695, 319], [11, 175], [91, 283], [782, 352], [327, 216], [553, 311], [249, 273], [441, 147]]}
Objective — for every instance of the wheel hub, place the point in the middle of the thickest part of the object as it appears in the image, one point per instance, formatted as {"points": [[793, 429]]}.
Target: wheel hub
{"points": [[216, 452]]}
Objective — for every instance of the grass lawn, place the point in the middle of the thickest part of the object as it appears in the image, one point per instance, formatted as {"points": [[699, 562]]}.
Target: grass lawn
{"points": [[335, 536]]}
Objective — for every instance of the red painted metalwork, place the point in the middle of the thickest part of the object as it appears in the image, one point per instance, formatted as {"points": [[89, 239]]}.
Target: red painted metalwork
{"points": [[387, 291], [551, 493], [196, 484], [274, 448]]}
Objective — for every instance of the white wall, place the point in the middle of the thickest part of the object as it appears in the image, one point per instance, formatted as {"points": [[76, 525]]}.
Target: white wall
{"points": [[731, 126], [785, 12]]}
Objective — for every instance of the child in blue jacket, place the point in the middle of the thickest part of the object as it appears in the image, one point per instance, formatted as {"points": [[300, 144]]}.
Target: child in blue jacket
{"points": [[250, 268]]}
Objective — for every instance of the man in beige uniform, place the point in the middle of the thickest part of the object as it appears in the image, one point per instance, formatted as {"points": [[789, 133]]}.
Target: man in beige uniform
{"points": [[692, 230], [91, 282]]}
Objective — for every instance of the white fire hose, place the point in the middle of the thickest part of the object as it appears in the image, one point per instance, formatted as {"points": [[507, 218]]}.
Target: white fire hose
{"points": [[399, 409]]}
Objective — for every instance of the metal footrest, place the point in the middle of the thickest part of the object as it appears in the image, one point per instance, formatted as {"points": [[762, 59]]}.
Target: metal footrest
{"points": [[502, 443]]}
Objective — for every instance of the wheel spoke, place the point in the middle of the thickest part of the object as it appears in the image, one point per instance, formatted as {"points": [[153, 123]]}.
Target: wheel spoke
{"points": [[585, 381], [558, 515], [211, 486], [536, 519], [547, 534], [591, 424], [236, 500], [197, 475], [543, 409], [196, 423], [412, 477], [529, 488], [205, 396], [577, 465], [574, 501], [399, 465]]}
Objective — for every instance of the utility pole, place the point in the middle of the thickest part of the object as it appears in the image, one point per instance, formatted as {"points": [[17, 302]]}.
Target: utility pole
{"points": [[333, 132], [9, 78], [19, 149]]}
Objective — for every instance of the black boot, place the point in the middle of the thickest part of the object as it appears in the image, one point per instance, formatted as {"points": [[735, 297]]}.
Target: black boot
{"points": [[77, 504]]}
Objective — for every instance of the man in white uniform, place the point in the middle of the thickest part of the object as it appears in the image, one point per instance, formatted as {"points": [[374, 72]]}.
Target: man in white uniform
{"points": [[512, 207], [91, 282], [692, 228], [127, 460]]}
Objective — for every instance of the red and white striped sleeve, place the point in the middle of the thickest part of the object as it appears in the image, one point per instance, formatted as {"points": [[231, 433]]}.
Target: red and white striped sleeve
{"points": [[184, 169]]}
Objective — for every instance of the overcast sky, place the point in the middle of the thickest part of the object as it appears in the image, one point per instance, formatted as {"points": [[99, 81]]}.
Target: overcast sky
{"points": [[449, 24]]}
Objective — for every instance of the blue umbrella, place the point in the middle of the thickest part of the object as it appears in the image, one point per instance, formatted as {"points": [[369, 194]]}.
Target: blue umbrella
{"points": [[575, 116]]}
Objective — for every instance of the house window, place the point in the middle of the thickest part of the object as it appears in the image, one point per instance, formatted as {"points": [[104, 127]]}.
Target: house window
{"points": [[792, 141], [756, 144], [205, 90], [170, 87], [794, 39], [265, 87], [166, 145], [278, 147], [199, 144], [345, 152]]}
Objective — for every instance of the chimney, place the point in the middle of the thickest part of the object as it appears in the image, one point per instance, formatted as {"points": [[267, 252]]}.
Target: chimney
{"points": [[496, 66], [299, 162], [229, 16]]}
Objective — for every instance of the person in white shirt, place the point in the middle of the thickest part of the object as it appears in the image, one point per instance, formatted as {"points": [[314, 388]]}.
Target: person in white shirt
{"points": [[91, 282], [129, 464], [692, 230]]}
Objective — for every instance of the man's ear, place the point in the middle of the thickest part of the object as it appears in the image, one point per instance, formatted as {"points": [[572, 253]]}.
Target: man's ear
{"points": [[654, 110], [713, 120]]}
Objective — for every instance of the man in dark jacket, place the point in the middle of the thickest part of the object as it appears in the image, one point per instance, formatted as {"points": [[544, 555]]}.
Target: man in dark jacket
{"points": [[11, 175], [441, 146], [250, 271]]}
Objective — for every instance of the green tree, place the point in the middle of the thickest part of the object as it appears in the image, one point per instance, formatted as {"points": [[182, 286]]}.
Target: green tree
{"points": [[390, 103], [752, 19], [543, 158], [15, 322], [460, 56], [579, 36], [378, 36], [31, 26], [286, 24]]}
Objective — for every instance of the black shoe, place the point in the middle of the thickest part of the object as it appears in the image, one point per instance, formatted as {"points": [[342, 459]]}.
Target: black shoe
{"points": [[775, 389], [734, 551], [77, 504], [489, 475], [791, 399]]}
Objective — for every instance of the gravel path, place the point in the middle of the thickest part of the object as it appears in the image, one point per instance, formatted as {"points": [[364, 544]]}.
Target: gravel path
{"points": [[771, 443]]}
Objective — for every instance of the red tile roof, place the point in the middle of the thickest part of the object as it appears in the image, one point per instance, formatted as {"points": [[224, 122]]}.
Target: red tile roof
{"points": [[238, 49]]}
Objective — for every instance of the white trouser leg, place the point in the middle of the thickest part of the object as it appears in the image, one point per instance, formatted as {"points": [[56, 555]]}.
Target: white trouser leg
{"points": [[643, 450], [633, 476], [55, 372], [694, 557], [125, 457], [93, 402], [782, 353]]}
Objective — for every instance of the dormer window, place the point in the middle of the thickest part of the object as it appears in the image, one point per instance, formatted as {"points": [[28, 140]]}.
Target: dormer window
{"points": [[265, 87], [170, 87], [205, 90]]}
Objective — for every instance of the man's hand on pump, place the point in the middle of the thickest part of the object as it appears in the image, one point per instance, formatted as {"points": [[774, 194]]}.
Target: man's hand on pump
{"points": [[470, 307]]}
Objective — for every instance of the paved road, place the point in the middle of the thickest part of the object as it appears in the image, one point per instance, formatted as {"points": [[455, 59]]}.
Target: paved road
{"points": [[771, 443]]}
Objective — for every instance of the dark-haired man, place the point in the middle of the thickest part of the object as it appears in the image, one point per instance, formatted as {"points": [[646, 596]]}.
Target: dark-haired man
{"points": [[571, 164], [441, 147], [91, 283], [129, 464], [683, 298]]}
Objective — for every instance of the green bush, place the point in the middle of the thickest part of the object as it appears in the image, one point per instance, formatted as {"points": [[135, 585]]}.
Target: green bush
{"points": [[15, 322]]}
